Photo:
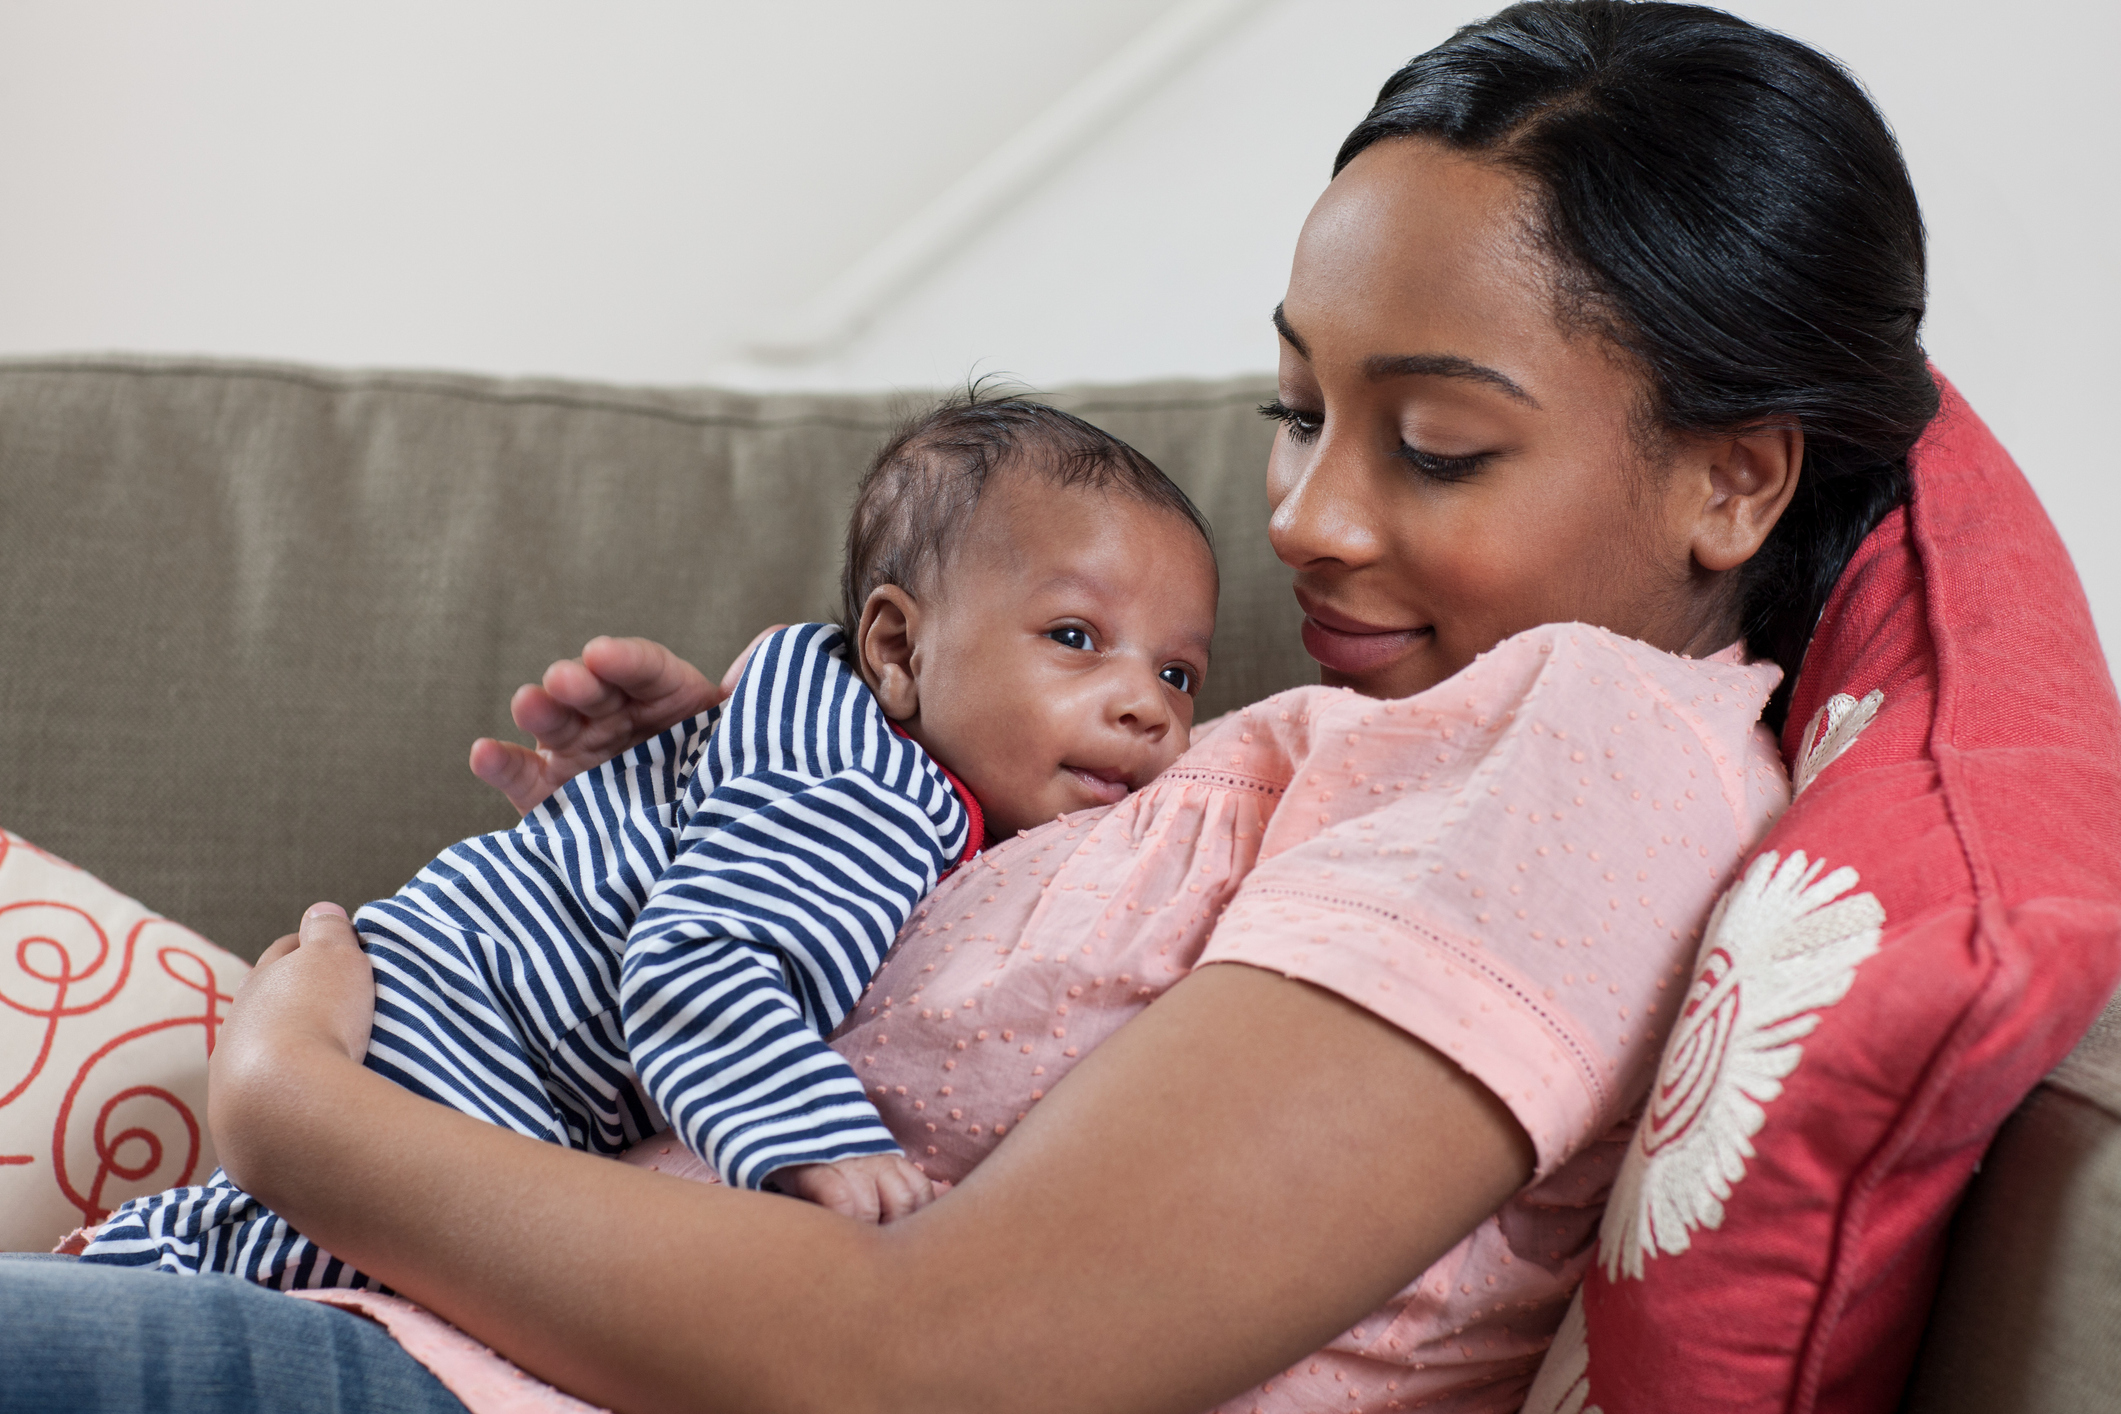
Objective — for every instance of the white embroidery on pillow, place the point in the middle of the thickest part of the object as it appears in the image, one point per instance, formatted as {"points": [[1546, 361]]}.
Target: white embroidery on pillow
{"points": [[1833, 730], [1563, 1384], [1782, 944]]}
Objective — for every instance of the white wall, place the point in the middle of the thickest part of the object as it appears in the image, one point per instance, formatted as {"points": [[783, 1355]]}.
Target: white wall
{"points": [[637, 190]]}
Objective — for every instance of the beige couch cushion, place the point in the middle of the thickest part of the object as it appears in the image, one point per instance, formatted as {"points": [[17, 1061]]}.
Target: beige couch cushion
{"points": [[256, 615]]}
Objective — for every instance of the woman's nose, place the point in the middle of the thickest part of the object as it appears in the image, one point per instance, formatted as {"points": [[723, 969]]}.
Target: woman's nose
{"points": [[1322, 513]]}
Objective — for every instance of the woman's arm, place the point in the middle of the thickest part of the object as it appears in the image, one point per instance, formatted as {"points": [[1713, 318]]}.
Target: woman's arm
{"points": [[1233, 1179]]}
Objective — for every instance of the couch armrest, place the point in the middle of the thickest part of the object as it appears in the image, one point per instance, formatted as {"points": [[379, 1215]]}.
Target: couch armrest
{"points": [[2028, 1316]]}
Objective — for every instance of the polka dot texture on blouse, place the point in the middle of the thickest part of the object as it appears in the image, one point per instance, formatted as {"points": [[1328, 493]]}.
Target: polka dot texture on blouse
{"points": [[1513, 866]]}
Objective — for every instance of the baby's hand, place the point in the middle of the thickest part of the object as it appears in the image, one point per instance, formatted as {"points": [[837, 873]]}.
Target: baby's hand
{"points": [[876, 1188]]}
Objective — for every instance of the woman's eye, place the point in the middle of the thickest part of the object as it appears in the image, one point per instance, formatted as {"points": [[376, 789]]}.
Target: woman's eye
{"points": [[1070, 638], [1180, 678], [1440, 468], [1302, 426]]}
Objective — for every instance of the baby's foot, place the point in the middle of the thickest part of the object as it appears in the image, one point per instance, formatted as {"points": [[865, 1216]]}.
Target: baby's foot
{"points": [[876, 1188]]}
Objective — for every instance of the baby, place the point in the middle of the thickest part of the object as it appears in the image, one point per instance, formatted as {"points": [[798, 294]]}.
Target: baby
{"points": [[1027, 606]]}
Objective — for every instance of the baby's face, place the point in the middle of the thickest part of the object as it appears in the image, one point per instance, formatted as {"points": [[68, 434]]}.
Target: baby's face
{"points": [[1057, 653]]}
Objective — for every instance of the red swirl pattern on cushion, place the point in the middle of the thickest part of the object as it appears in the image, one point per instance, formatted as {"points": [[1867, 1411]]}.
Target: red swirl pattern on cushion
{"points": [[1694, 1054], [108, 1013]]}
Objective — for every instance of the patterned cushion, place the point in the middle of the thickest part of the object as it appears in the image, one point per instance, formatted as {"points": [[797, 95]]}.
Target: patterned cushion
{"points": [[1922, 936], [107, 1014]]}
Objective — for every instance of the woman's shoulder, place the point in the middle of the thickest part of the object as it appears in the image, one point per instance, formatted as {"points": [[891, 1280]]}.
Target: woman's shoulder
{"points": [[1560, 723], [1585, 670], [1514, 865], [1566, 674], [1639, 724]]}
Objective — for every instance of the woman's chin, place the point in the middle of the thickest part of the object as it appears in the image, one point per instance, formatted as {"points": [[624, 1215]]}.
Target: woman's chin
{"points": [[1395, 664]]}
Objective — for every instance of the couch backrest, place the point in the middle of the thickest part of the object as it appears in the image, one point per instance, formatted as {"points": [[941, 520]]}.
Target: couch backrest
{"points": [[255, 615]]}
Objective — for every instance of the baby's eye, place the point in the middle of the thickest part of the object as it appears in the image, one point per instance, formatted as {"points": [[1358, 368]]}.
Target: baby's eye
{"points": [[1180, 678], [1071, 637]]}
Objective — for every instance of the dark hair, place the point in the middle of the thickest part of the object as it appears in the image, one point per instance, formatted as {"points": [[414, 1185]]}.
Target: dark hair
{"points": [[1726, 205], [920, 491]]}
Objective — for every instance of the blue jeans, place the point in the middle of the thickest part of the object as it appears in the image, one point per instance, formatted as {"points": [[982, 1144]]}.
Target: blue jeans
{"points": [[77, 1338]]}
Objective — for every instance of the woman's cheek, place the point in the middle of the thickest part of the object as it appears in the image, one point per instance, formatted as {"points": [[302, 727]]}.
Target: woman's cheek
{"points": [[1478, 595]]}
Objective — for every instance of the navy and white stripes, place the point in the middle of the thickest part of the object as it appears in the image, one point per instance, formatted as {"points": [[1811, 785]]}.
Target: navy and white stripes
{"points": [[675, 931]]}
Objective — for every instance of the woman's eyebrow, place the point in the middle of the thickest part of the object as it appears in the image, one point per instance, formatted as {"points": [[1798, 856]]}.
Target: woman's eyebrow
{"points": [[1378, 367], [1295, 341]]}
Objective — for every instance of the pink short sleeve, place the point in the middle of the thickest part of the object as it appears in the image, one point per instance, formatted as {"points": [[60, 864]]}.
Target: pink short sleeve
{"points": [[1515, 866]]}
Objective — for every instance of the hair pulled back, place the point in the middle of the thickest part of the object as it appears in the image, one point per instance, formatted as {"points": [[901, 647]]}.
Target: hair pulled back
{"points": [[1726, 205]]}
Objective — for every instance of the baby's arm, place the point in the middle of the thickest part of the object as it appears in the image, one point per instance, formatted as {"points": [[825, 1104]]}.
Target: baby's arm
{"points": [[756, 941]]}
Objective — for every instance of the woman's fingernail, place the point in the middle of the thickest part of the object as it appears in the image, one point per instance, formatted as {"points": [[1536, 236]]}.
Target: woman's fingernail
{"points": [[325, 910]]}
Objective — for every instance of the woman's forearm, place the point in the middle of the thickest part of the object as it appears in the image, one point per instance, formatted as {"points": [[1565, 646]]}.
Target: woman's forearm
{"points": [[1230, 1181], [595, 1275]]}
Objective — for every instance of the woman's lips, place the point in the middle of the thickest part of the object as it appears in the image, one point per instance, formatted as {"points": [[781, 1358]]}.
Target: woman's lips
{"points": [[1350, 646], [1106, 788]]}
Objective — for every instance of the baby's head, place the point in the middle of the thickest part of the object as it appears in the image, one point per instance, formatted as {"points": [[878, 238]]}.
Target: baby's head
{"points": [[1031, 600]]}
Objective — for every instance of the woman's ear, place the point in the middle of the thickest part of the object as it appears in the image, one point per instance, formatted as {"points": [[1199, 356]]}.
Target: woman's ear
{"points": [[887, 650], [1749, 482]]}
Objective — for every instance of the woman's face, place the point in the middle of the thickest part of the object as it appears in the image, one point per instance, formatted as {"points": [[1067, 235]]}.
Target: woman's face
{"points": [[1454, 466]]}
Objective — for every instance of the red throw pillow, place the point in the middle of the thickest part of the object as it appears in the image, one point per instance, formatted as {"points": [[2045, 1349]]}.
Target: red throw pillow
{"points": [[1923, 935]]}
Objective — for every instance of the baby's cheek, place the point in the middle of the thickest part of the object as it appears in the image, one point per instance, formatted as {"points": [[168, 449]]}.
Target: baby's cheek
{"points": [[1020, 790], [997, 763]]}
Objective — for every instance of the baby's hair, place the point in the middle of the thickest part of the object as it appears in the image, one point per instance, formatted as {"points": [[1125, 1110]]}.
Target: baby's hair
{"points": [[920, 491]]}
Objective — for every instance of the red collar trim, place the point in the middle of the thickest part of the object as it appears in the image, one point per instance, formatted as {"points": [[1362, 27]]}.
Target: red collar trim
{"points": [[975, 818]]}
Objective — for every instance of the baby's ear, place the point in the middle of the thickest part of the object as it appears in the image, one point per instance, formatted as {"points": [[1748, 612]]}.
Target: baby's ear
{"points": [[883, 650]]}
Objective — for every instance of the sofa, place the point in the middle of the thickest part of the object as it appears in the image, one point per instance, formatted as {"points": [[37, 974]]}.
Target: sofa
{"points": [[257, 613]]}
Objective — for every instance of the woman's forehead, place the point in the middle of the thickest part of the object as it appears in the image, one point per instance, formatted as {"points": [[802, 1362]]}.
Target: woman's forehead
{"points": [[1416, 250]]}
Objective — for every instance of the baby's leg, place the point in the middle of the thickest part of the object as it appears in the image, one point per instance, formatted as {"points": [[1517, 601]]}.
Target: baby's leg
{"points": [[443, 1030], [217, 1227], [469, 1023]]}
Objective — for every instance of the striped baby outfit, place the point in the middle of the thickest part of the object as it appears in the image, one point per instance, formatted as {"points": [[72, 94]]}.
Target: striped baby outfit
{"points": [[670, 936]]}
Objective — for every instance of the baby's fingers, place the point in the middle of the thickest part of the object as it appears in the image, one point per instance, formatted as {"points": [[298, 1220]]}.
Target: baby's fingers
{"points": [[829, 1186], [535, 710], [902, 1190], [515, 771], [577, 687], [863, 1202], [648, 681]]}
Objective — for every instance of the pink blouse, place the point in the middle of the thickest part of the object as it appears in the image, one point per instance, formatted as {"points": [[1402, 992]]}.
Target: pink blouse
{"points": [[1513, 866]]}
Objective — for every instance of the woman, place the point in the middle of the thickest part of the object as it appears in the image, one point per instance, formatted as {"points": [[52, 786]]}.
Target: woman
{"points": [[1609, 316]]}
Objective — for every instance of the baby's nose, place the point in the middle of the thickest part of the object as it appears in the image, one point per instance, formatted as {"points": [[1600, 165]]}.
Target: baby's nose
{"points": [[1140, 706]]}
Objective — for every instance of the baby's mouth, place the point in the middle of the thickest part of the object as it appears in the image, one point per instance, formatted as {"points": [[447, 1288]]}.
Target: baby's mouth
{"points": [[1105, 787]]}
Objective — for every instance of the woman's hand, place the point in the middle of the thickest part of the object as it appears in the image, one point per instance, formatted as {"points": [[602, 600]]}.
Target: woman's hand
{"points": [[620, 692], [311, 994]]}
